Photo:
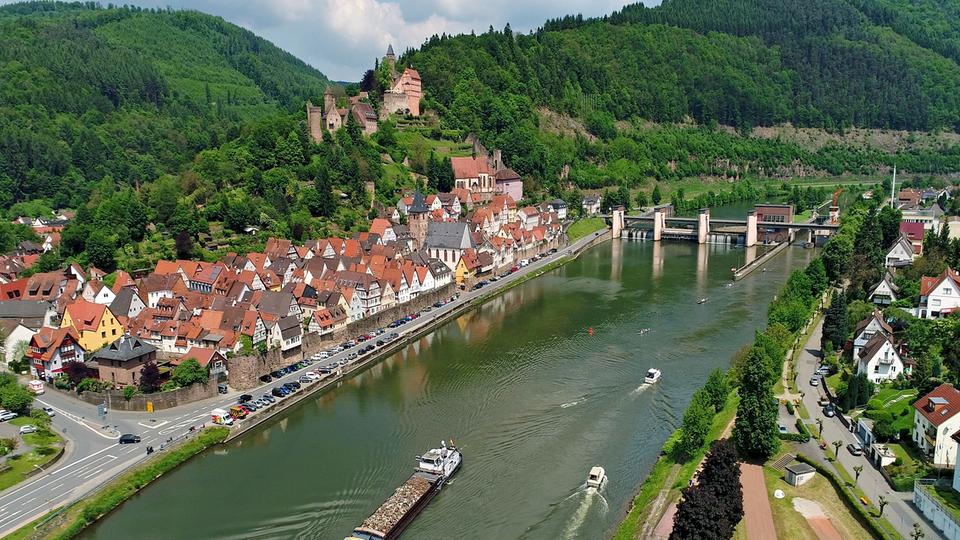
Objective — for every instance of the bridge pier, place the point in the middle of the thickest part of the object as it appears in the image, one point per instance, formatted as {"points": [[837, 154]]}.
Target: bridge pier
{"points": [[703, 227], [617, 223], [658, 224], [751, 239]]}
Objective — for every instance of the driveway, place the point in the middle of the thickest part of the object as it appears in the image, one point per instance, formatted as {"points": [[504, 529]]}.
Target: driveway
{"points": [[900, 512]]}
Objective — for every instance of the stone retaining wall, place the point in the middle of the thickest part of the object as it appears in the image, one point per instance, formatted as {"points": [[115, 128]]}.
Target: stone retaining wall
{"points": [[160, 400]]}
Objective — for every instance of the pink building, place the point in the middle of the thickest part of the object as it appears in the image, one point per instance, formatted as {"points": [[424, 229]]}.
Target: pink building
{"points": [[509, 183]]}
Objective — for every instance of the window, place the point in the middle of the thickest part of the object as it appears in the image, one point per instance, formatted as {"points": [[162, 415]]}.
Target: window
{"points": [[114, 331], [103, 334]]}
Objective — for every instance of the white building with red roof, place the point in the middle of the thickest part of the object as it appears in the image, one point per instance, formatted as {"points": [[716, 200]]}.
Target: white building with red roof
{"points": [[939, 296], [935, 420]]}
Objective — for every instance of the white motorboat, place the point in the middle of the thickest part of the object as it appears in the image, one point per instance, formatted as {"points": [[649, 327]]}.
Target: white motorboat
{"points": [[653, 375], [596, 477]]}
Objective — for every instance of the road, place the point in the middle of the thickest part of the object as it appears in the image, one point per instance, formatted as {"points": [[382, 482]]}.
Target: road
{"points": [[93, 455], [901, 513]]}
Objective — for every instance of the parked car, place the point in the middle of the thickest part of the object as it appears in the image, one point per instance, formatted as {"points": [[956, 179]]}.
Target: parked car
{"points": [[277, 392], [245, 398], [266, 378], [249, 406], [293, 384], [49, 411], [27, 429], [312, 376], [276, 374], [352, 356], [323, 355], [782, 428], [828, 411], [238, 412], [326, 369], [260, 403], [7, 415], [267, 398], [814, 382], [855, 449], [823, 402], [129, 438], [305, 379]]}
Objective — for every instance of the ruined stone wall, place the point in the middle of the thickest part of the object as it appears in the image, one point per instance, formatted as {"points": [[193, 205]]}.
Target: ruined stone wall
{"points": [[160, 400], [394, 102]]}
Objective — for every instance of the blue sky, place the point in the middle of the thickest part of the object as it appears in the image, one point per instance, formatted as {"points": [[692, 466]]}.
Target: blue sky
{"points": [[342, 37]]}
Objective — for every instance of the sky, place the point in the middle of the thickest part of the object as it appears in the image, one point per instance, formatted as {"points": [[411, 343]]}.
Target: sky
{"points": [[342, 38]]}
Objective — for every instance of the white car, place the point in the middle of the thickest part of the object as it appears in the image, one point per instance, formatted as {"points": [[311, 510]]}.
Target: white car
{"points": [[7, 415], [27, 429], [323, 355], [814, 382], [49, 411], [312, 376]]}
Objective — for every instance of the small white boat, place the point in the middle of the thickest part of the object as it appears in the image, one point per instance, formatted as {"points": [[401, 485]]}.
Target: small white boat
{"points": [[653, 375], [596, 477], [702, 301]]}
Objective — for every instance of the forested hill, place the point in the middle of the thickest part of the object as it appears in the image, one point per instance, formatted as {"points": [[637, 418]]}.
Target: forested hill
{"points": [[818, 63], [88, 92]]}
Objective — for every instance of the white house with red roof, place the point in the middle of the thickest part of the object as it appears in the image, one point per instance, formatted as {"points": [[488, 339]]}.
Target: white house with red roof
{"points": [[939, 296], [935, 420]]}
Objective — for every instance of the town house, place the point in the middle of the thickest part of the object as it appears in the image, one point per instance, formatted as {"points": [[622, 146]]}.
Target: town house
{"points": [[939, 296], [121, 361], [50, 348], [95, 324], [879, 359], [935, 420]]}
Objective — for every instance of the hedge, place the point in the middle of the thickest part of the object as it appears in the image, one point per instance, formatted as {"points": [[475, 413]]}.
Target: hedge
{"points": [[849, 499], [790, 408], [795, 437]]}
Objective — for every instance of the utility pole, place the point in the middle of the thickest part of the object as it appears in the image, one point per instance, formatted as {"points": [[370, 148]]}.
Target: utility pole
{"points": [[893, 189]]}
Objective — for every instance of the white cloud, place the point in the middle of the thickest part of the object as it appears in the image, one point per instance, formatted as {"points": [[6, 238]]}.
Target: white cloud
{"points": [[343, 37]]}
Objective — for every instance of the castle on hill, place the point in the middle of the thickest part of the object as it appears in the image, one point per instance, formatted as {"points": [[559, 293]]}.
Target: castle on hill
{"points": [[402, 97]]}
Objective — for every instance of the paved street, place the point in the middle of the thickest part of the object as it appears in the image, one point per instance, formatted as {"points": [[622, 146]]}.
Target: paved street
{"points": [[93, 455], [900, 512]]}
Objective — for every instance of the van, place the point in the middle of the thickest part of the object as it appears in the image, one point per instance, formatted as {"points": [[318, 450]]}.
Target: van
{"points": [[324, 355], [524, 262], [36, 386], [222, 417], [238, 412]]}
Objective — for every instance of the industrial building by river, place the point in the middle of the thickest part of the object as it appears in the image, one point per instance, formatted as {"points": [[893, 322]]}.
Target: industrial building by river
{"points": [[531, 396]]}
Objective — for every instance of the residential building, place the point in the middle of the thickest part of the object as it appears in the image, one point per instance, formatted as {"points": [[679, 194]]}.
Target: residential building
{"points": [[447, 241], [591, 205], [95, 324], [559, 206], [474, 174], [939, 296], [902, 252], [915, 233], [867, 328], [121, 361], [207, 358], [50, 348], [879, 359], [509, 182], [885, 292], [935, 420], [286, 333]]}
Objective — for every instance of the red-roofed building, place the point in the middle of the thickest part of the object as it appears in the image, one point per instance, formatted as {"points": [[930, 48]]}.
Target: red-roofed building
{"points": [[473, 174], [935, 419], [939, 296], [915, 232], [50, 348], [205, 357], [95, 324]]}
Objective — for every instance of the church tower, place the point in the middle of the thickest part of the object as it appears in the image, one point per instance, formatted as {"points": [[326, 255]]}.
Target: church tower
{"points": [[417, 218]]}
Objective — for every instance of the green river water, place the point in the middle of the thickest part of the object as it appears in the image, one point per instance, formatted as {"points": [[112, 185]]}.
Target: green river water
{"points": [[528, 394]]}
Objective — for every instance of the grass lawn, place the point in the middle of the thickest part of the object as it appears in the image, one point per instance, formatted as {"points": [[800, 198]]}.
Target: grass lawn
{"points": [[911, 466], [896, 402], [44, 448], [411, 139], [948, 497], [834, 380], [584, 227], [791, 524]]}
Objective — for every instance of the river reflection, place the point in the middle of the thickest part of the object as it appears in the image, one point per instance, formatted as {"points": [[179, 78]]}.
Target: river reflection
{"points": [[533, 399]]}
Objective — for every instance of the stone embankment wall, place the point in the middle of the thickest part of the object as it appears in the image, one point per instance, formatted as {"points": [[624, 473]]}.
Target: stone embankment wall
{"points": [[160, 400], [245, 371]]}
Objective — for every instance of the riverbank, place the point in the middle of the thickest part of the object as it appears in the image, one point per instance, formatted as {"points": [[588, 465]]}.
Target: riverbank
{"points": [[352, 369], [70, 521]]}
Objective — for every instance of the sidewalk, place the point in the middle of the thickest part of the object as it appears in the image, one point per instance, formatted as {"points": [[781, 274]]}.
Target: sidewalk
{"points": [[757, 515], [901, 513]]}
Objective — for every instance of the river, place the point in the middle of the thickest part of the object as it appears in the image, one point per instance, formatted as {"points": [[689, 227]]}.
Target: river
{"points": [[528, 394]]}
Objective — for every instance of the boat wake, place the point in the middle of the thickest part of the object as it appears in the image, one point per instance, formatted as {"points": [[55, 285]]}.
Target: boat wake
{"points": [[640, 389], [590, 496], [572, 403]]}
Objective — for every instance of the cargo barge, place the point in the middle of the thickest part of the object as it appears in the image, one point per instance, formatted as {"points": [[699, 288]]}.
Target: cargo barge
{"points": [[433, 470]]}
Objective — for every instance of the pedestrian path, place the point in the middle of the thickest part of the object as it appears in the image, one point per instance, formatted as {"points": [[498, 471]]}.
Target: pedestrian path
{"points": [[757, 515]]}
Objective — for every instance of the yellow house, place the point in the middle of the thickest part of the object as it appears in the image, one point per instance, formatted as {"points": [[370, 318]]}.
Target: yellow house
{"points": [[466, 266], [96, 325]]}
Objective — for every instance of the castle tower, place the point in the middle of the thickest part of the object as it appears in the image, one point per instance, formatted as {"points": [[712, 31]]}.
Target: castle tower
{"points": [[329, 100], [390, 56], [417, 220]]}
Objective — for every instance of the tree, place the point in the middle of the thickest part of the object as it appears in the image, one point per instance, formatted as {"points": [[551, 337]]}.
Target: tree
{"points": [[721, 473], [917, 532], [717, 388], [642, 199], [188, 372], [713, 507], [695, 426], [755, 429], [16, 398], [882, 503], [836, 448], [76, 371], [700, 516], [820, 427], [129, 391], [101, 247], [656, 196], [857, 469], [149, 378], [835, 328], [184, 245]]}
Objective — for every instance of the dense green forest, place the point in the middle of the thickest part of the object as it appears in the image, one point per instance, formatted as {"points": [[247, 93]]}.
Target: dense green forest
{"points": [[129, 94]]}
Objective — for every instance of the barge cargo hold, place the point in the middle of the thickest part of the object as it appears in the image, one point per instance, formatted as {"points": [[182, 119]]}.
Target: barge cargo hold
{"points": [[433, 470]]}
